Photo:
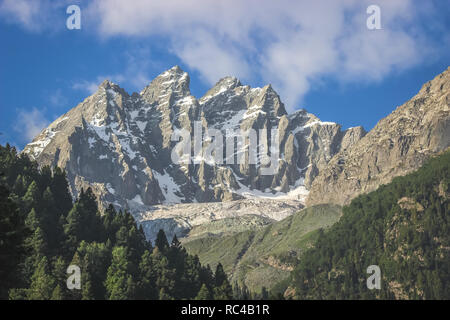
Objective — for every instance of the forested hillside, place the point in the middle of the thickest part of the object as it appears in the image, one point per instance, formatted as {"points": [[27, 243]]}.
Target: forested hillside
{"points": [[258, 259], [42, 232], [402, 227]]}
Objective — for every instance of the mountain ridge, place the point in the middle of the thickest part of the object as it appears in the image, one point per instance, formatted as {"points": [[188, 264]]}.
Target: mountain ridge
{"points": [[397, 145], [121, 145]]}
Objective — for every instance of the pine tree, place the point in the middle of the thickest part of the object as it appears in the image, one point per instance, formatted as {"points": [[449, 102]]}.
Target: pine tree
{"points": [[161, 241], [42, 283], [50, 221], [60, 276], [45, 178], [38, 243], [93, 259], [60, 189], [222, 289], [147, 282], [36, 246], [117, 279], [32, 221], [61, 232], [12, 235], [165, 276], [203, 294], [73, 228], [131, 288], [83, 222], [220, 276], [32, 196], [86, 288], [163, 295], [175, 242], [57, 293], [122, 237], [19, 186]]}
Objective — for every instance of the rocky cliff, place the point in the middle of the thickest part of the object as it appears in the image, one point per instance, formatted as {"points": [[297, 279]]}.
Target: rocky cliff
{"points": [[397, 145], [122, 145]]}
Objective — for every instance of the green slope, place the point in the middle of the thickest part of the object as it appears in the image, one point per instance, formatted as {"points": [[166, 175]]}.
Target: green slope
{"points": [[265, 256], [402, 227], [227, 227]]}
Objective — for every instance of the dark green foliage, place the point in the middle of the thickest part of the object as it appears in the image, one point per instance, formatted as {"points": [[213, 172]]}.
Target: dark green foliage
{"points": [[402, 227], [244, 255], [119, 277], [12, 236], [42, 232], [42, 282], [222, 290], [84, 222], [203, 294], [161, 241]]}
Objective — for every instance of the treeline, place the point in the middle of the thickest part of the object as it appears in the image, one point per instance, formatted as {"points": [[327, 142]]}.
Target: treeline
{"points": [[42, 232], [402, 227]]}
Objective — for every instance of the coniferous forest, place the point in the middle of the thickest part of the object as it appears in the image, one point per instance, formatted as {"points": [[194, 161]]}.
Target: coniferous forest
{"points": [[44, 231], [402, 227]]}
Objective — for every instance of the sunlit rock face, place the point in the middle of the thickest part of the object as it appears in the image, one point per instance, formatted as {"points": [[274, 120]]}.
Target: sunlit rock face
{"points": [[121, 145]]}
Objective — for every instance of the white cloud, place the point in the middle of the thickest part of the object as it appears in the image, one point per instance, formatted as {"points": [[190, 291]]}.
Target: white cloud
{"points": [[57, 98], [24, 11], [134, 74], [34, 15], [291, 44], [89, 87], [30, 123], [211, 58]]}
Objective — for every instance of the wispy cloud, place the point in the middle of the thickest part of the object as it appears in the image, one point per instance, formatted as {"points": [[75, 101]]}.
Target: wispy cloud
{"points": [[134, 74], [29, 123], [57, 98], [34, 15], [288, 43], [89, 87], [25, 12], [291, 44]]}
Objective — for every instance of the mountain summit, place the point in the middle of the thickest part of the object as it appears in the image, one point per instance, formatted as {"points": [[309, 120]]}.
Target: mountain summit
{"points": [[121, 145], [397, 145]]}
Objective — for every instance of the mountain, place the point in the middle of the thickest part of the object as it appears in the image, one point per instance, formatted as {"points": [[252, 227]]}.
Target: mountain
{"points": [[263, 255], [402, 227], [122, 146], [169, 157], [397, 145], [182, 219], [45, 237]]}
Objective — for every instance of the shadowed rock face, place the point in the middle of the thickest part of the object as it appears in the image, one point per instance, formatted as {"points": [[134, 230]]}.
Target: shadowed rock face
{"points": [[397, 145], [120, 145]]}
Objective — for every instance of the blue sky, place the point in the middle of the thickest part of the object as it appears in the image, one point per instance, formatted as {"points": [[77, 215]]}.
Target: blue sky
{"points": [[319, 56]]}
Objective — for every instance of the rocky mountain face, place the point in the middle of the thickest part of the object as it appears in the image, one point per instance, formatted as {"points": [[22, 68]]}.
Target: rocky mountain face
{"points": [[122, 145], [263, 254], [182, 219], [397, 145]]}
